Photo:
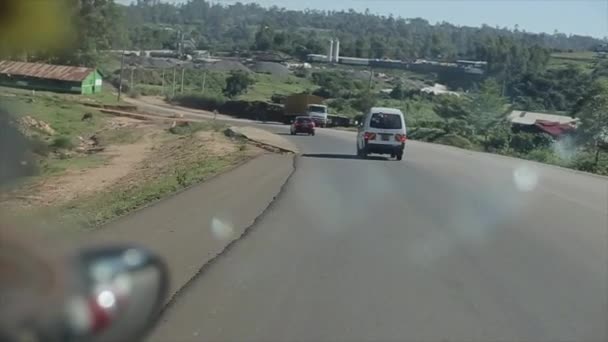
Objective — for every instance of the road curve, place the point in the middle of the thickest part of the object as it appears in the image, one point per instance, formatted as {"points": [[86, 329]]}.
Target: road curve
{"points": [[448, 245]]}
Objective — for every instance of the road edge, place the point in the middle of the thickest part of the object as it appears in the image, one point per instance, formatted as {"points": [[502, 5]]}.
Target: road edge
{"points": [[246, 231]]}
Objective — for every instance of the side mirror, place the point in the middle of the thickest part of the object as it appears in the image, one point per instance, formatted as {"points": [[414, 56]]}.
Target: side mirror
{"points": [[119, 294]]}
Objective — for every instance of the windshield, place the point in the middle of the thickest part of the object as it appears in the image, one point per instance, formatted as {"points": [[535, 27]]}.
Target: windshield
{"points": [[354, 170], [317, 109], [385, 121]]}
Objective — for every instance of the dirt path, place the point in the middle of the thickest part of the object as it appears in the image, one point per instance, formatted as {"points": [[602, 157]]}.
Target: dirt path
{"points": [[54, 190]]}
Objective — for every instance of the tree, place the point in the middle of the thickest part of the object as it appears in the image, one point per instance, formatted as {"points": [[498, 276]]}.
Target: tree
{"points": [[487, 109], [451, 108], [264, 38], [593, 115], [237, 83], [398, 93], [364, 101], [96, 26]]}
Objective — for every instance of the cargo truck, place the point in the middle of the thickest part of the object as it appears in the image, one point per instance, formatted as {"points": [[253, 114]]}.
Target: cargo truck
{"points": [[305, 105]]}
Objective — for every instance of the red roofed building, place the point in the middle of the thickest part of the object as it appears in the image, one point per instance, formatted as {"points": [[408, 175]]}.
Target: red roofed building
{"points": [[552, 124]]}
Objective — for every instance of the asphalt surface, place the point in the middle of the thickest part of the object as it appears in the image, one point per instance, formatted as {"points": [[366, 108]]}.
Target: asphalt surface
{"points": [[447, 245]]}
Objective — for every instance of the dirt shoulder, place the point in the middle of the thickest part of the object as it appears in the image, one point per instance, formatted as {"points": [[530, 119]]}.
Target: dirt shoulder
{"points": [[93, 167]]}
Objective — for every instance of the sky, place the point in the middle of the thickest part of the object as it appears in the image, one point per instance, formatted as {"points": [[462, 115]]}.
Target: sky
{"points": [[584, 17]]}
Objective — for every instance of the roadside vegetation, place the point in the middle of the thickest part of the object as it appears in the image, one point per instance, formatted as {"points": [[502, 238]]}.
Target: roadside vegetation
{"points": [[189, 157], [83, 167]]}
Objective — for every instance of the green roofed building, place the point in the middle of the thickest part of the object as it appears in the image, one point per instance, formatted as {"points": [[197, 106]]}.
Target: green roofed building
{"points": [[57, 78]]}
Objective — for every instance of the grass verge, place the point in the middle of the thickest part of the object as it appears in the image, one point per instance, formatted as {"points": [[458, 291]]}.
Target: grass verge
{"points": [[178, 162]]}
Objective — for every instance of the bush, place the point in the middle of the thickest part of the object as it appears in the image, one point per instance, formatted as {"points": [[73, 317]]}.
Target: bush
{"points": [[200, 101], [545, 155], [364, 101], [454, 140], [134, 93], [237, 83], [277, 98], [38, 146], [586, 162], [425, 133], [496, 141], [62, 142], [186, 128], [526, 142]]}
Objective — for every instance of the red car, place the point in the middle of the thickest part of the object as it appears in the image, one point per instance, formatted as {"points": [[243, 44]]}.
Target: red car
{"points": [[303, 124]]}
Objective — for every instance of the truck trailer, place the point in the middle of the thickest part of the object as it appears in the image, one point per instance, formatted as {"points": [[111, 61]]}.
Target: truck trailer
{"points": [[305, 105]]}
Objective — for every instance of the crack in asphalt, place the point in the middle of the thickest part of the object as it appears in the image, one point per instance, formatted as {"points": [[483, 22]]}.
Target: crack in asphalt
{"points": [[183, 289]]}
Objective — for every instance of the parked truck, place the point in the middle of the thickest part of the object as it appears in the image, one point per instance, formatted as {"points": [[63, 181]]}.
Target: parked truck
{"points": [[305, 105]]}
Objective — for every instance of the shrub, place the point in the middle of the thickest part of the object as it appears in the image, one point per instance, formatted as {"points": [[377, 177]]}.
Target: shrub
{"points": [[525, 142], [38, 146], [545, 155], [277, 98], [522, 142], [237, 83], [496, 142], [206, 102], [62, 142], [585, 161], [134, 93], [425, 133], [454, 140]]}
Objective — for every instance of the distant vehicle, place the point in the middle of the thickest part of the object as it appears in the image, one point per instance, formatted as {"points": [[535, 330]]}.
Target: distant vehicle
{"points": [[305, 105], [382, 131], [303, 124], [318, 113]]}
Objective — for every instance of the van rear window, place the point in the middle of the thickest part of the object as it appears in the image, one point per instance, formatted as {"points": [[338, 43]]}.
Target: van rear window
{"points": [[385, 121]]}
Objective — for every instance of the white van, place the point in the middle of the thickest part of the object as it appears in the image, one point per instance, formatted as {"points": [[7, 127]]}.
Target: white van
{"points": [[382, 131]]}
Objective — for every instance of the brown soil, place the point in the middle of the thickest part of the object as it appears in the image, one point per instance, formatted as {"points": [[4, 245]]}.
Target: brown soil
{"points": [[127, 165], [55, 190]]}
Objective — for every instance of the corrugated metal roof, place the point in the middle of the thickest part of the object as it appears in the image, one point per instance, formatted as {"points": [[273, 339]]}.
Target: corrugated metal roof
{"points": [[530, 118], [45, 71]]}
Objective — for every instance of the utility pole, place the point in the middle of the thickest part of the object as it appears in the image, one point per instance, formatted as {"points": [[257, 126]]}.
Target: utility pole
{"points": [[163, 83], [122, 65], [131, 84], [174, 70], [182, 90], [204, 80], [371, 75]]}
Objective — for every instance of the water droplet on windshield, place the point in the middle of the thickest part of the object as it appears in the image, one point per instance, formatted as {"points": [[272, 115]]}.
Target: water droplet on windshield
{"points": [[525, 178], [221, 230]]}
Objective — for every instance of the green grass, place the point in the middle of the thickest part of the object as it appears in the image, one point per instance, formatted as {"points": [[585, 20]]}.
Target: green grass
{"points": [[266, 86], [118, 201], [579, 55], [120, 136], [586, 59], [415, 110], [54, 166], [194, 127], [62, 112]]}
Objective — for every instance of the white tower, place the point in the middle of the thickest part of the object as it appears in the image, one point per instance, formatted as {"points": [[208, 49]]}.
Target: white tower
{"points": [[337, 51], [330, 54]]}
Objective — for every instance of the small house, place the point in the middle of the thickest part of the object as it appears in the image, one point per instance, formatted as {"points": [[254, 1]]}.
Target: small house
{"points": [[552, 124], [49, 77]]}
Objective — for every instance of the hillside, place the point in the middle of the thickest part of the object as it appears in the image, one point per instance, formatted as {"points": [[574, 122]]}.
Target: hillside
{"points": [[236, 26]]}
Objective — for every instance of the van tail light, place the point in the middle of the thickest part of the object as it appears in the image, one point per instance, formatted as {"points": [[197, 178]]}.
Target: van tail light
{"points": [[400, 137], [369, 136]]}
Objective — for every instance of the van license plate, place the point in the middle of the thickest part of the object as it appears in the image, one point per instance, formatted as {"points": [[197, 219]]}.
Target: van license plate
{"points": [[385, 137]]}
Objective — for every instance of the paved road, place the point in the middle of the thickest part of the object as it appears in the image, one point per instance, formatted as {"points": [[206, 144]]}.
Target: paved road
{"points": [[448, 245]]}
